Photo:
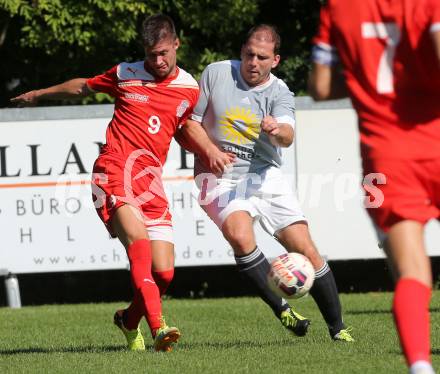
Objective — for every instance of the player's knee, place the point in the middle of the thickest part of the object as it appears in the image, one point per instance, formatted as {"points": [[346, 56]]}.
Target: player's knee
{"points": [[164, 276], [128, 238], [163, 279], [240, 240]]}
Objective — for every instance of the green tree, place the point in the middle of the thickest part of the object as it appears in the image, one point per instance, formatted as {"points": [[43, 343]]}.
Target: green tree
{"points": [[44, 42], [296, 21], [50, 41]]}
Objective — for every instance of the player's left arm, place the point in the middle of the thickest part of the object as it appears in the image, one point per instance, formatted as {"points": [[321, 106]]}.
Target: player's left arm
{"points": [[434, 27], [436, 40], [181, 139], [280, 134], [194, 138]]}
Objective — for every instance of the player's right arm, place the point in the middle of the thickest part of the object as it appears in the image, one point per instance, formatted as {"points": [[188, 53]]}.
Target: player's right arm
{"points": [[71, 89], [326, 80]]}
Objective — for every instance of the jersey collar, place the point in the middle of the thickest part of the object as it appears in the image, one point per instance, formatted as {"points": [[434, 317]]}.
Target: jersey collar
{"points": [[165, 80]]}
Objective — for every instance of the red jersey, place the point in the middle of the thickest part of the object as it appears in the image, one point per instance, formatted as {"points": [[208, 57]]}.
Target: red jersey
{"points": [[147, 111], [391, 71]]}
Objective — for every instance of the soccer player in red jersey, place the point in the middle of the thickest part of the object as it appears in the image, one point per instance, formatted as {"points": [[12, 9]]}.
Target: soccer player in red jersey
{"points": [[153, 98], [386, 55]]}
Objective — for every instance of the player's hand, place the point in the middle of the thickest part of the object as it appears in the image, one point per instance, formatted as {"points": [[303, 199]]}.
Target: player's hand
{"points": [[270, 126], [218, 161], [27, 99]]}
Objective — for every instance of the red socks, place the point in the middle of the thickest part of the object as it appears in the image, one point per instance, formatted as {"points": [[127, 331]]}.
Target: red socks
{"points": [[163, 279], [134, 311], [139, 254], [146, 293], [411, 315], [133, 314]]}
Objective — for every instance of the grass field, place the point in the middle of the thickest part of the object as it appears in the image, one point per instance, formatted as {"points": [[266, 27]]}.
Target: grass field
{"points": [[237, 335]]}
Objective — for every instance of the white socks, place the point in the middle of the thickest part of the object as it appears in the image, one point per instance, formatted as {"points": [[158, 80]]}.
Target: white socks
{"points": [[421, 367]]}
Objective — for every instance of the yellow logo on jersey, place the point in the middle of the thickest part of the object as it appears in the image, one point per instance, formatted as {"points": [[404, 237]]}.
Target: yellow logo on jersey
{"points": [[240, 126]]}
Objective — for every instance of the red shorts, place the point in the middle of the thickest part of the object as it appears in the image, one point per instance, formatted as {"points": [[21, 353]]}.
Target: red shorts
{"points": [[117, 181], [411, 190]]}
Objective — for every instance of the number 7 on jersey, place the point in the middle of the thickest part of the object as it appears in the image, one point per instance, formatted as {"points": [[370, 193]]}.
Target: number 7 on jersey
{"points": [[391, 33]]}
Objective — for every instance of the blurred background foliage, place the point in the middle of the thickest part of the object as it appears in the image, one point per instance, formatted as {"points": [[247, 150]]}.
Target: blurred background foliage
{"points": [[44, 42]]}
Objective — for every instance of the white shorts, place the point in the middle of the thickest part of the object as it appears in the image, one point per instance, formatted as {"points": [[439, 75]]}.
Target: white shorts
{"points": [[267, 197], [163, 232]]}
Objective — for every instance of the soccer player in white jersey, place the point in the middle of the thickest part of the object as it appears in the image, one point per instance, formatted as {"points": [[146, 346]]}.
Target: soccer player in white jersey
{"points": [[247, 111]]}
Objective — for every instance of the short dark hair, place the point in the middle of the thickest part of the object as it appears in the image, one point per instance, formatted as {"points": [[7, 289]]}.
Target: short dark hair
{"points": [[156, 28], [270, 30]]}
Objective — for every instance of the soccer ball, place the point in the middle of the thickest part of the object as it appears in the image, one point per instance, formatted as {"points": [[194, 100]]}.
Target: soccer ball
{"points": [[291, 275]]}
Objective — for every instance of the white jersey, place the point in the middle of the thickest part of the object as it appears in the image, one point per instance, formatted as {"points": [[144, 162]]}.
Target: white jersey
{"points": [[231, 113]]}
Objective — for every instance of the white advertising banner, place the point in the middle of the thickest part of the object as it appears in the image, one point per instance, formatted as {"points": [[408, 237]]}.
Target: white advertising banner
{"points": [[329, 185], [48, 222], [47, 217]]}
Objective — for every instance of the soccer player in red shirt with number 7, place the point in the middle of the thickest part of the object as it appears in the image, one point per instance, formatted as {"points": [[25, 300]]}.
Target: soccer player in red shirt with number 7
{"points": [[153, 98], [389, 52]]}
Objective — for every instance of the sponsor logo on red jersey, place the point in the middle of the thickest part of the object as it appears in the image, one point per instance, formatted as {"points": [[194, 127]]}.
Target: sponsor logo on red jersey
{"points": [[136, 97]]}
